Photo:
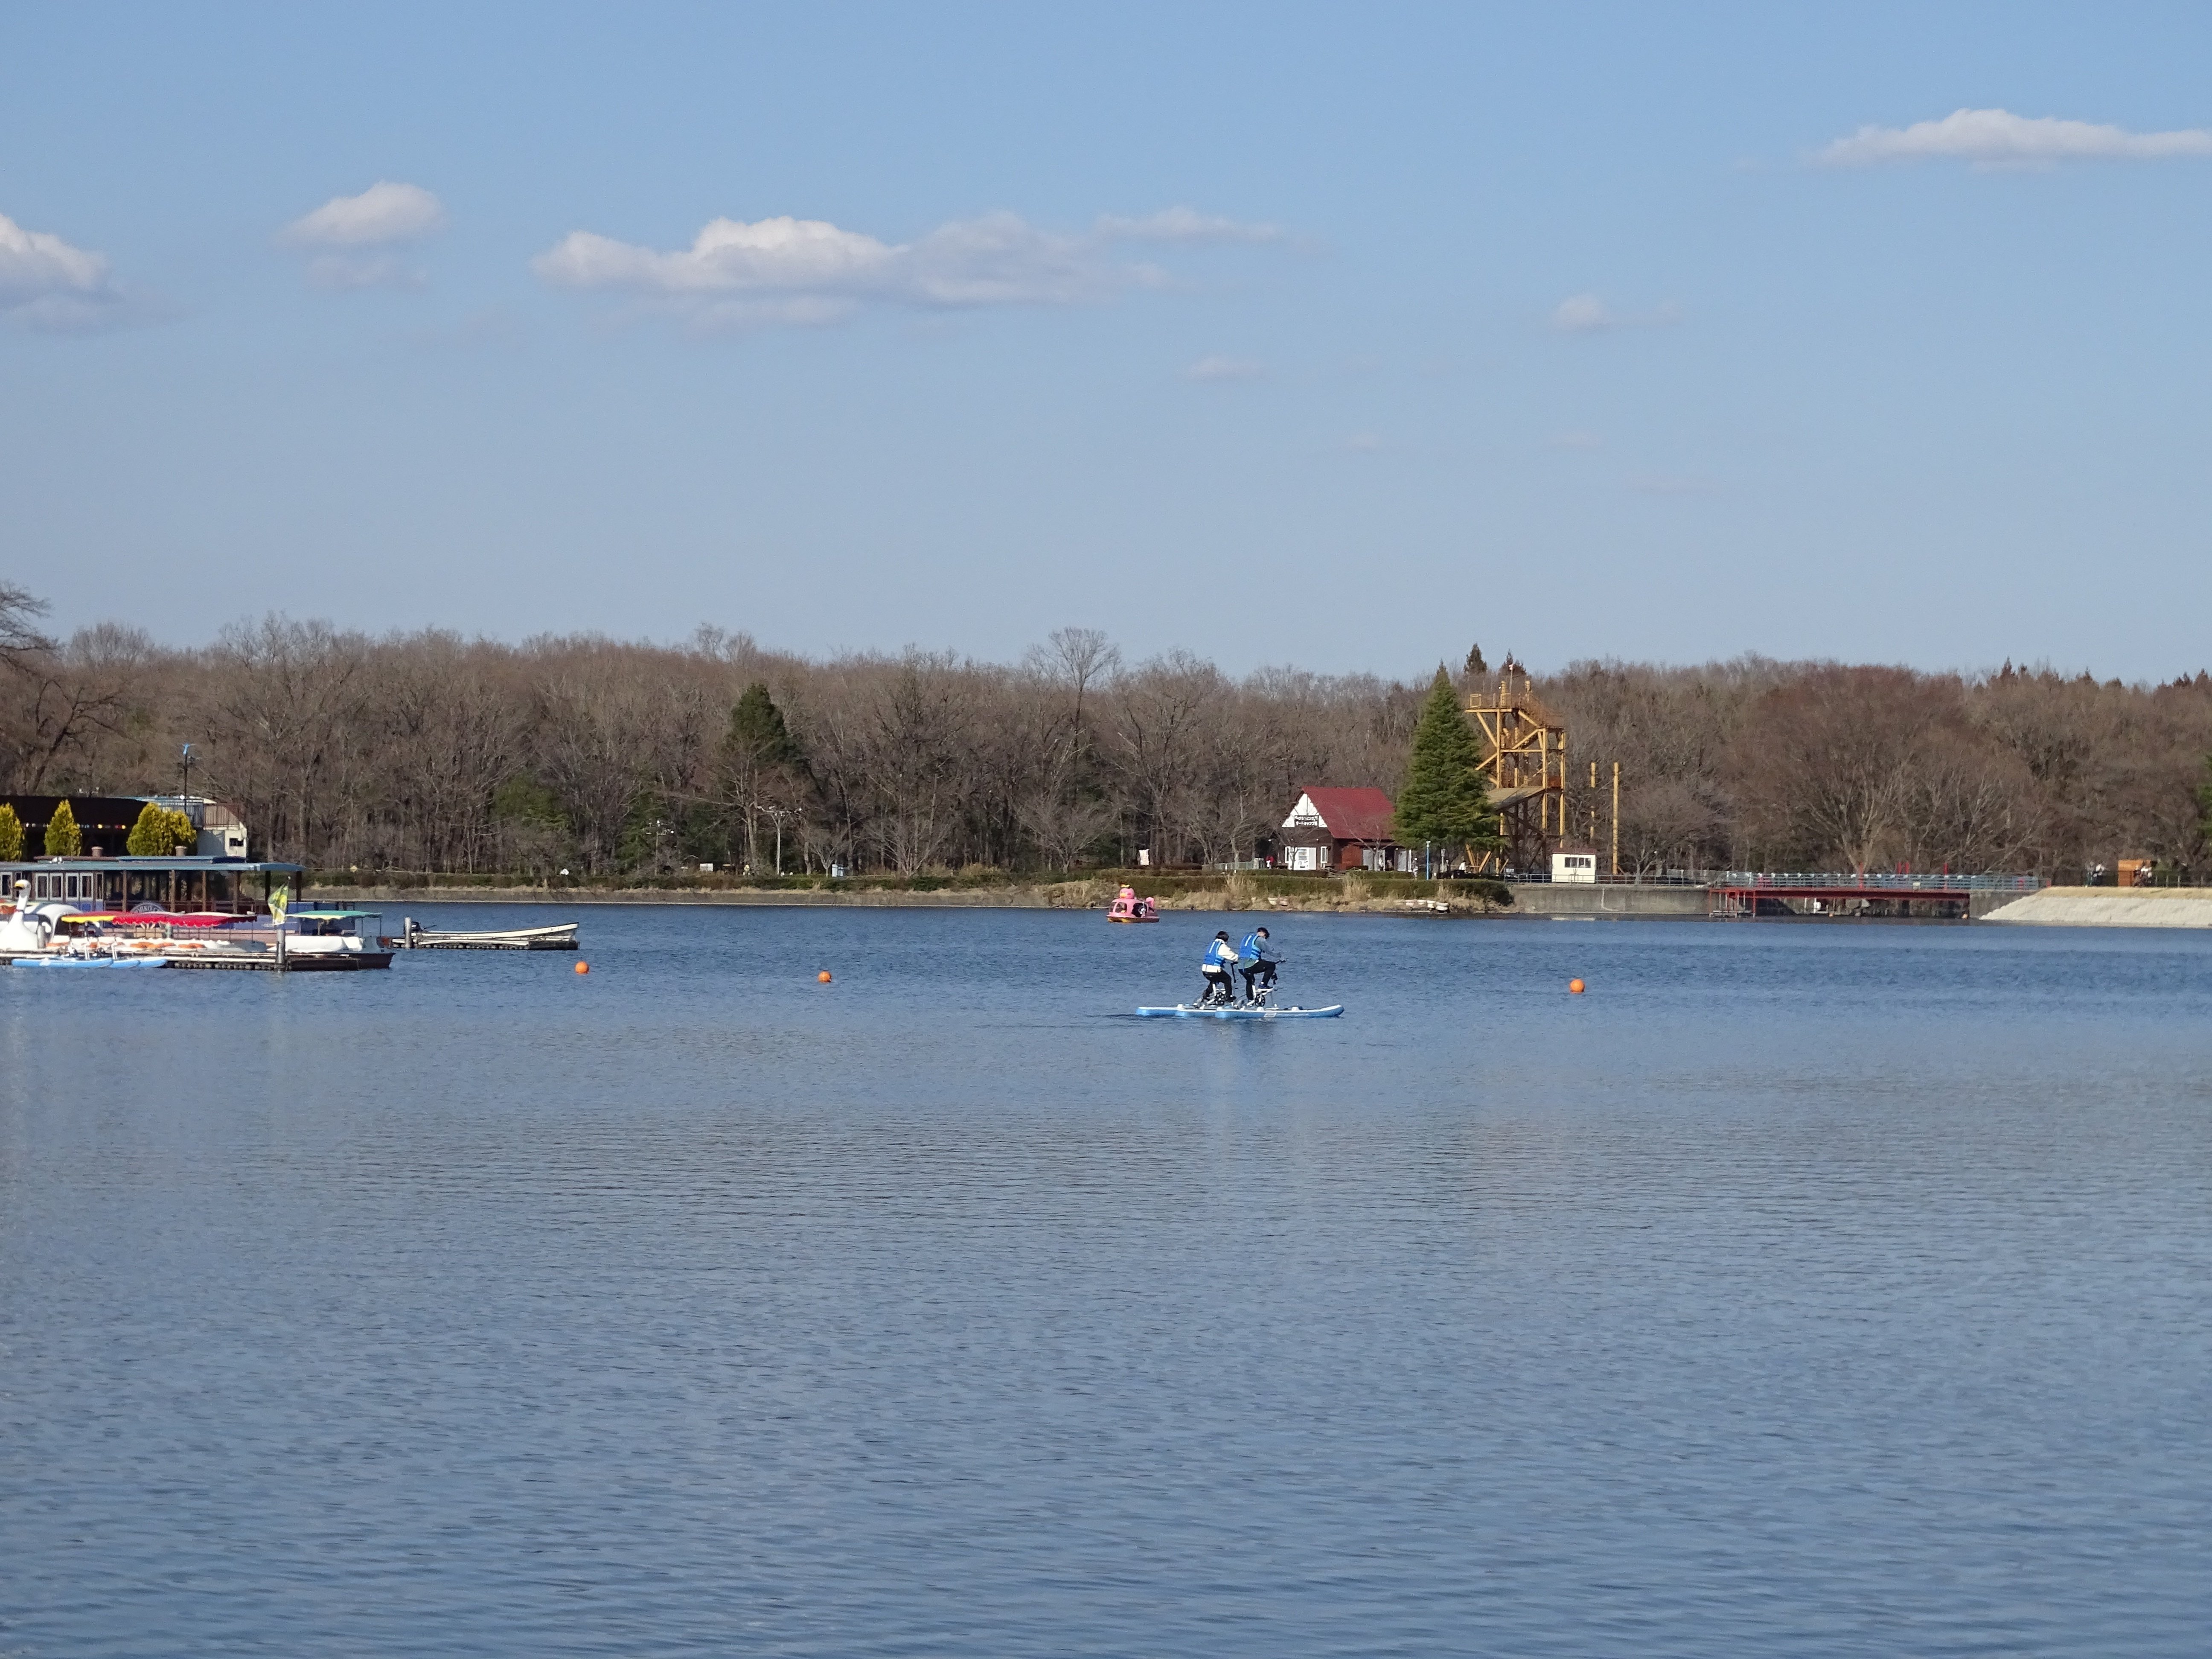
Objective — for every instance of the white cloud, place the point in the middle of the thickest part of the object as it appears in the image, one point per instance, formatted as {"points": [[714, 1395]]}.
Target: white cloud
{"points": [[1224, 368], [1585, 313], [784, 271], [381, 216], [1182, 224], [1998, 138], [46, 283]]}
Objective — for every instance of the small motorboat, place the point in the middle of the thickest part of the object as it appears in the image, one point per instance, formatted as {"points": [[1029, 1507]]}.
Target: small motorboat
{"points": [[560, 936], [1127, 907]]}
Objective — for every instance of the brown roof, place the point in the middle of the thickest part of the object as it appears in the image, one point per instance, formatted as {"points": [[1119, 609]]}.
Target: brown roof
{"points": [[1353, 814]]}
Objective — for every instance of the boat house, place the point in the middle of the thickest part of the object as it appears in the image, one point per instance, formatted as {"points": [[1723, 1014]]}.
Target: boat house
{"points": [[183, 884], [104, 822], [1341, 829]]}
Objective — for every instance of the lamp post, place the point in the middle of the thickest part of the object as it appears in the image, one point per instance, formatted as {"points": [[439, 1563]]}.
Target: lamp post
{"points": [[779, 814], [184, 771]]}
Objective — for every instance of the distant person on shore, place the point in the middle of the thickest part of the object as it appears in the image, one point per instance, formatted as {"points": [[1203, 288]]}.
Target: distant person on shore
{"points": [[1256, 960], [1220, 960]]}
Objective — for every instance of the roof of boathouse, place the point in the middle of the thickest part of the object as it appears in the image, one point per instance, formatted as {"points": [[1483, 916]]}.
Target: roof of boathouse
{"points": [[186, 865], [1346, 814]]}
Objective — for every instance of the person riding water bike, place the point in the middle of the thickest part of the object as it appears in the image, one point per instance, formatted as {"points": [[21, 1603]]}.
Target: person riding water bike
{"points": [[1256, 960], [1220, 960]]}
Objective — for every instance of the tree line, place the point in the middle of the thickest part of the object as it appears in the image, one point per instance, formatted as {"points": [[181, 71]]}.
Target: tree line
{"points": [[430, 751]]}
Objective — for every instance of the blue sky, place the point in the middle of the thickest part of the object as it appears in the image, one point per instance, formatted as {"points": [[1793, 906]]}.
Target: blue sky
{"points": [[1340, 336]]}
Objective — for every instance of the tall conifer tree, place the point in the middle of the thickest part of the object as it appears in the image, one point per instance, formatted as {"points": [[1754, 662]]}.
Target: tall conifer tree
{"points": [[1445, 800], [763, 766]]}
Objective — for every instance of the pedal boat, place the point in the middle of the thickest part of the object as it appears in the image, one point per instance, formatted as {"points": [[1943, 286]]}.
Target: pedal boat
{"points": [[1127, 907]]}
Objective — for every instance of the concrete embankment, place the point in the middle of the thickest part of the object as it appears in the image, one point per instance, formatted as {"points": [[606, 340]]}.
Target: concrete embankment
{"points": [[1538, 898], [965, 898], [2110, 907]]}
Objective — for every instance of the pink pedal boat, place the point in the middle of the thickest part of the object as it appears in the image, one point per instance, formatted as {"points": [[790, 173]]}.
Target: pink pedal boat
{"points": [[1127, 907]]}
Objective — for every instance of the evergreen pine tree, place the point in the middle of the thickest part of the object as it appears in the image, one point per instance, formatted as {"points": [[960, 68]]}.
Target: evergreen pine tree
{"points": [[1445, 800], [763, 765], [62, 840], [757, 729], [11, 834]]}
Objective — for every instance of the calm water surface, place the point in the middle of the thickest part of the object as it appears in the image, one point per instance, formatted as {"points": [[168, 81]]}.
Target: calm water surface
{"points": [[1800, 1290]]}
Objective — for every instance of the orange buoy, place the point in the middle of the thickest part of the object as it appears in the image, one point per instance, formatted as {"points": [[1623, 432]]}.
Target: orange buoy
{"points": [[823, 976], [583, 967], [1575, 986]]}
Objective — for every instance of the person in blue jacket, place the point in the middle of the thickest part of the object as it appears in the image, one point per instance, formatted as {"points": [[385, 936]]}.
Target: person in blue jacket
{"points": [[1256, 959], [1221, 961]]}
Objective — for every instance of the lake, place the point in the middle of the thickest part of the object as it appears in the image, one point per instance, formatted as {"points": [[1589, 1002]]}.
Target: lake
{"points": [[1802, 1289]]}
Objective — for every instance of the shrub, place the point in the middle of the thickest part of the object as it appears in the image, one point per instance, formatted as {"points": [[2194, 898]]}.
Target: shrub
{"points": [[159, 832], [11, 834], [63, 838]]}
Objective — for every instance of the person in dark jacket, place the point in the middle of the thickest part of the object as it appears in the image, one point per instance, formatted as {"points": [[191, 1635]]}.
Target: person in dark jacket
{"points": [[1256, 960]]}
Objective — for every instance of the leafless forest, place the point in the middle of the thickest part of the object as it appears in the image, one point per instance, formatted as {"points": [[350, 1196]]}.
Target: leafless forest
{"points": [[428, 751]]}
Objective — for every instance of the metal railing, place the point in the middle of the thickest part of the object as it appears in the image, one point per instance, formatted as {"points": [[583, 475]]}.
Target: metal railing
{"points": [[1879, 882]]}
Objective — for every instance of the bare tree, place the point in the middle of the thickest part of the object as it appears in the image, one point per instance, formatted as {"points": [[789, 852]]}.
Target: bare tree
{"points": [[428, 752]]}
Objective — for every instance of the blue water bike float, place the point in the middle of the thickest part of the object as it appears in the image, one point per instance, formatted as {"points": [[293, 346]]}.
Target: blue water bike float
{"points": [[1239, 1011], [1221, 964], [90, 962]]}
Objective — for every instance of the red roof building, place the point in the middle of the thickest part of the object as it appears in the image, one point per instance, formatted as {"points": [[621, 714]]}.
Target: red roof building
{"points": [[1340, 830]]}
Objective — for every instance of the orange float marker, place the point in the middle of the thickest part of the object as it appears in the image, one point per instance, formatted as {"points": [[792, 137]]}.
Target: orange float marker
{"points": [[1574, 987], [583, 967], [823, 976]]}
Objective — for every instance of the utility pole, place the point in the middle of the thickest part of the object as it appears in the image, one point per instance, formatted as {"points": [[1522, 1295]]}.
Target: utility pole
{"points": [[1616, 817]]}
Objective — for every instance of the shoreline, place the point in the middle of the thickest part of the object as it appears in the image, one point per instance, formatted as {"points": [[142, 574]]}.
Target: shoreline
{"points": [[1343, 895]]}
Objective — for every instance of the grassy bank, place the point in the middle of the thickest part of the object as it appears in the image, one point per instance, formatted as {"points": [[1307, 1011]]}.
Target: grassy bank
{"points": [[1087, 890]]}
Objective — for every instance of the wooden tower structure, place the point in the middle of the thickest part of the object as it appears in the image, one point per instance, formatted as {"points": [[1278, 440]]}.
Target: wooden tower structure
{"points": [[1524, 756]]}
